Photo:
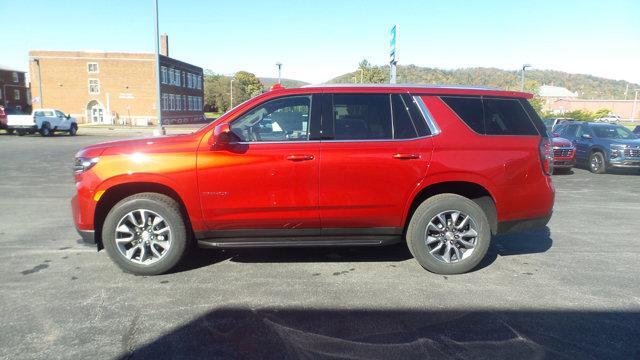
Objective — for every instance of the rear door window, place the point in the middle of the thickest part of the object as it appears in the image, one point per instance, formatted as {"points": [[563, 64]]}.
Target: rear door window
{"points": [[403, 127], [362, 117]]}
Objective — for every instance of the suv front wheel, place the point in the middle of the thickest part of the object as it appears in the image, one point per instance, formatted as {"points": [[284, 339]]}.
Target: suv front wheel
{"points": [[448, 234], [145, 234], [596, 163]]}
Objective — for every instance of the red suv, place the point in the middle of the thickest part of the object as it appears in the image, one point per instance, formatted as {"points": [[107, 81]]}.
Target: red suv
{"points": [[442, 168]]}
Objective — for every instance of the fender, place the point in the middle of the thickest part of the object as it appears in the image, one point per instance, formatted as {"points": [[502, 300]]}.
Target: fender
{"points": [[187, 194], [449, 176]]}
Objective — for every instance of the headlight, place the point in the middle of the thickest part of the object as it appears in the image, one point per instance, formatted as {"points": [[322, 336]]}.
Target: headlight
{"points": [[617, 150], [82, 164]]}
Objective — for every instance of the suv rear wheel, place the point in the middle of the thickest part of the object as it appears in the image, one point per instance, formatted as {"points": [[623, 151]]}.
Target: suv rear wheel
{"points": [[145, 234], [596, 163], [448, 234]]}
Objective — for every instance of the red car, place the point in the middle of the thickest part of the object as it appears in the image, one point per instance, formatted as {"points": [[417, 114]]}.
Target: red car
{"points": [[3, 119], [564, 155], [442, 168]]}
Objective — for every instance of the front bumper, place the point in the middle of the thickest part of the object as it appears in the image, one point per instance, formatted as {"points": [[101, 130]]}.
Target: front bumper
{"points": [[88, 236], [625, 163], [564, 163]]}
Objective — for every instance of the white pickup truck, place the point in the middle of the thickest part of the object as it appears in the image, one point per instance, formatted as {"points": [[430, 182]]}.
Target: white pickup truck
{"points": [[44, 121]]}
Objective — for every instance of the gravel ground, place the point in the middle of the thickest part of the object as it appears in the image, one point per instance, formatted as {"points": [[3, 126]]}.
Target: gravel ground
{"points": [[568, 291]]}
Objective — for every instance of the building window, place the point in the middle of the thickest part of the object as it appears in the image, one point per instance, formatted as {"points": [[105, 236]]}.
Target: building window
{"points": [[0, 94], [189, 80], [184, 82], [177, 77], [92, 67], [15, 77], [172, 101], [199, 82], [178, 102], [16, 94], [184, 102], [94, 86], [164, 75], [164, 101]]}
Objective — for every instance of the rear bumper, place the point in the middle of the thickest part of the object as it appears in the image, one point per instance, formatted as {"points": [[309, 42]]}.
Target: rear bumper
{"points": [[22, 127], [510, 226]]}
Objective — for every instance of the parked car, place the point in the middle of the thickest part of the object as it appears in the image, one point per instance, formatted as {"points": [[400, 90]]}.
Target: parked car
{"points": [[611, 119], [564, 155], [551, 123], [3, 119], [603, 146], [325, 166], [44, 121]]}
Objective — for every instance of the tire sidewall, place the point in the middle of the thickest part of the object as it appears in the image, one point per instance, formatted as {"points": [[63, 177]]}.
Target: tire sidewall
{"points": [[423, 215], [73, 130], [45, 130], [171, 216]]}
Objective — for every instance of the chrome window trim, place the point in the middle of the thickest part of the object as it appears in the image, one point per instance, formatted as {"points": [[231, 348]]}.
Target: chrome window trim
{"points": [[426, 114]]}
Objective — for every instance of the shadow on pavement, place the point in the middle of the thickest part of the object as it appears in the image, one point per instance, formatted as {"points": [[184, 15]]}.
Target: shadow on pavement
{"points": [[240, 333]]}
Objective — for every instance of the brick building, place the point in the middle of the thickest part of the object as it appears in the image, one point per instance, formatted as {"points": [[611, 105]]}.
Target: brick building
{"points": [[14, 91], [622, 108], [118, 88]]}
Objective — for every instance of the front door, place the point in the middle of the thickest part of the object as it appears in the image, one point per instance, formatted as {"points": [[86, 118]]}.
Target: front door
{"points": [[269, 179], [372, 164], [62, 121]]}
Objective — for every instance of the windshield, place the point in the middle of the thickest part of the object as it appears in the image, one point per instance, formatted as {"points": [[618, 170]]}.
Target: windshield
{"points": [[613, 132]]}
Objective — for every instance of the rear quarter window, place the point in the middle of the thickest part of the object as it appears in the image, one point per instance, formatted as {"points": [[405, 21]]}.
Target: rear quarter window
{"points": [[494, 116]]}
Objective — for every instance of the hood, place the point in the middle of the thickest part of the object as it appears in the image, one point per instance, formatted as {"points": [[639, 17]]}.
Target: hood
{"points": [[561, 142], [631, 142], [146, 144]]}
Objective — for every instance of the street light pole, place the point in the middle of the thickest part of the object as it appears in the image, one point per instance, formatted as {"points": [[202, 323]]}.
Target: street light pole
{"points": [[361, 75], [524, 68], [37, 61], [160, 130], [279, 65], [635, 100]]}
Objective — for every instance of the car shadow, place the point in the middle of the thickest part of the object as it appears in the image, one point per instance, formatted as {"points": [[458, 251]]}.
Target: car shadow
{"points": [[526, 242], [519, 243], [395, 333]]}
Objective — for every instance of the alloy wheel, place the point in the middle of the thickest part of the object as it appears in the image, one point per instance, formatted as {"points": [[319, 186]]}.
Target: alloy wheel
{"points": [[451, 236], [143, 237]]}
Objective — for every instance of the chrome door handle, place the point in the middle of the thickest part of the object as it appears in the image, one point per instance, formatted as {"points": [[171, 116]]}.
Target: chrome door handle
{"points": [[300, 157], [401, 156]]}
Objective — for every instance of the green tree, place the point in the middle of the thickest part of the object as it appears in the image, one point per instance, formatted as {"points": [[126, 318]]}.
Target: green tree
{"points": [[601, 113], [248, 85], [371, 74]]}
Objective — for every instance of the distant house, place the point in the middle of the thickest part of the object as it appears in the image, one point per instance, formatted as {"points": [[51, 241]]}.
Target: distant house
{"points": [[119, 88], [14, 91]]}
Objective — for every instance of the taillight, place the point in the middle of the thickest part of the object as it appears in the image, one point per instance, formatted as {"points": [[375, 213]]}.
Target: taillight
{"points": [[546, 155]]}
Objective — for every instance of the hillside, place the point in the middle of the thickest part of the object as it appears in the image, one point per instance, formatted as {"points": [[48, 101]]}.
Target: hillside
{"points": [[288, 83], [588, 86]]}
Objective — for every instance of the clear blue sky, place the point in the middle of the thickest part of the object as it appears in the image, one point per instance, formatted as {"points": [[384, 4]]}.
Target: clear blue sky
{"points": [[317, 40]]}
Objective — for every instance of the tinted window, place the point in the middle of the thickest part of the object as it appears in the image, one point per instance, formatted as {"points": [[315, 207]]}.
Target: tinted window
{"points": [[402, 125], [469, 109], [570, 130], [362, 117], [506, 117], [284, 119], [613, 132]]}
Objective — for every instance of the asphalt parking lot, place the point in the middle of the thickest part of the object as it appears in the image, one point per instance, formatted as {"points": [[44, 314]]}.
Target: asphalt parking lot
{"points": [[569, 291]]}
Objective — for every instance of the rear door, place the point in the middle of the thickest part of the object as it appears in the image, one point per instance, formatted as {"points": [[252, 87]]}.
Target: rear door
{"points": [[372, 157]]}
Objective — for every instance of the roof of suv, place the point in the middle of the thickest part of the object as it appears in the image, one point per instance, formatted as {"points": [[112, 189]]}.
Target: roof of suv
{"points": [[425, 89]]}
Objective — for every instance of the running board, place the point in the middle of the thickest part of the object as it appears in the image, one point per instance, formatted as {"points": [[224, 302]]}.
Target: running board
{"points": [[306, 241]]}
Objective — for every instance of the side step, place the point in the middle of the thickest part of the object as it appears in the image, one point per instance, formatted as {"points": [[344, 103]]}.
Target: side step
{"points": [[303, 241]]}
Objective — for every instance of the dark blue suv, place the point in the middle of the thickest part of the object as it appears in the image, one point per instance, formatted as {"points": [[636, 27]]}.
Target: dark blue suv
{"points": [[602, 146]]}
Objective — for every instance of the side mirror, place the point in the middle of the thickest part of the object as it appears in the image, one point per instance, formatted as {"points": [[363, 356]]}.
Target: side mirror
{"points": [[586, 136], [68, 116], [556, 135], [222, 136]]}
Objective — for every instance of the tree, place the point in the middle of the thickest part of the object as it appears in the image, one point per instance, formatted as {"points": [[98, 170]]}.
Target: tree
{"points": [[248, 85], [600, 113], [371, 74]]}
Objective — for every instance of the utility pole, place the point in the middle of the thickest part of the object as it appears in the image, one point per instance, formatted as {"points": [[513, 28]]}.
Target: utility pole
{"points": [[361, 76], [635, 100], [231, 102], [37, 61], [161, 130], [279, 65], [524, 68]]}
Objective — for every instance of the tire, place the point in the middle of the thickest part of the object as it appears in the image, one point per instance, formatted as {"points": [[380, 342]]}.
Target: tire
{"points": [[73, 130], [10, 131], [155, 205], [445, 205], [596, 163], [20, 132], [45, 130]]}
